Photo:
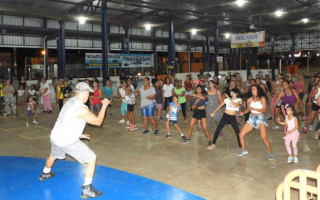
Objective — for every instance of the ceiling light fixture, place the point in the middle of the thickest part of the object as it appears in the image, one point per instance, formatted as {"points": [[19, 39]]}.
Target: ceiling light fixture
{"points": [[305, 20], [279, 13], [148, 27], [82, 20], [193, 31], [240, 3], [227, 35]]}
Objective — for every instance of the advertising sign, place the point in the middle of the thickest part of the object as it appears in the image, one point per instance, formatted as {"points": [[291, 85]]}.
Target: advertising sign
{"points": [[137, 60], [253, 39], [94, 60]]}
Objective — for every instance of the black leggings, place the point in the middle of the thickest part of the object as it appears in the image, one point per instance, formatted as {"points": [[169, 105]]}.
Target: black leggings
{"points": [[60, 104], [183, 109], [231, 119], [167, 101]]}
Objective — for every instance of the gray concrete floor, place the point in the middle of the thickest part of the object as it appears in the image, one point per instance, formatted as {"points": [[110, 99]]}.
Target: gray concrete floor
{"points": [[217, 174]]}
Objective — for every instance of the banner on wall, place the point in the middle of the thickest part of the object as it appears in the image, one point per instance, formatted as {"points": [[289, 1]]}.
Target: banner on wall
{"points": [[137, 60], [94, 60], [253, 39]]}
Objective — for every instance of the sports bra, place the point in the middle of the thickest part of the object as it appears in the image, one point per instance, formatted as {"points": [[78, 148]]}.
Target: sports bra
{"points": [[229, 105], [288, 99], [256, 105]]}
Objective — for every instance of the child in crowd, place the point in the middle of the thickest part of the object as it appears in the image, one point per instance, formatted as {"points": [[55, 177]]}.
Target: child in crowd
{"points": [[107, 91], [159, 98], [32, 92], [21, 92], [124, 106], [59, 94], [174, 108], [292, 133], [31, 111]]}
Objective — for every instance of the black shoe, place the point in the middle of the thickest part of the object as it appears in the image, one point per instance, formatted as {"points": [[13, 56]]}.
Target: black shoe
{"points": [[146, 132], [168, 136], [45, 176], [186, 141], [184, 138], [50, 111], [270, 118], [89, 192], [156, 132]]}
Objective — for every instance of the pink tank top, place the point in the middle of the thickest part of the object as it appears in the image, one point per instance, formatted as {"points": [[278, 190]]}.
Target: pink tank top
{"points": [[95, 101], [290, 123], [299, 86]]}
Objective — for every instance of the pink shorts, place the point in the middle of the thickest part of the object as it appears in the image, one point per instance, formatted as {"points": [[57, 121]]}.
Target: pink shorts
{"points": [[159, 105]]}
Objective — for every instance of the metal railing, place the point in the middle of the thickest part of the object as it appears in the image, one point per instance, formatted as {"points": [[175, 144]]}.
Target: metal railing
{"points": [[302, 177]]}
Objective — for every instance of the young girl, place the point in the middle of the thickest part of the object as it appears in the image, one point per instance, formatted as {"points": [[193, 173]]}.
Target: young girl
{"points": [[229, 116], [174, 108], [124, 105], [107, 91], [31, 111], [292, 133], [21, 92]]}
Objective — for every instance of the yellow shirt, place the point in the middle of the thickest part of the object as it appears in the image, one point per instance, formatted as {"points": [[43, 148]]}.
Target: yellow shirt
{"points": [[1, 90], [59, 93]]}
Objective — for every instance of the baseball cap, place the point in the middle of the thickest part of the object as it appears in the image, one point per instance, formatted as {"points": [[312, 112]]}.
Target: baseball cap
{"points": [[82, 86]]}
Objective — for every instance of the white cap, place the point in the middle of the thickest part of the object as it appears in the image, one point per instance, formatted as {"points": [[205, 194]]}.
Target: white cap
{"points": [[82, 86]]}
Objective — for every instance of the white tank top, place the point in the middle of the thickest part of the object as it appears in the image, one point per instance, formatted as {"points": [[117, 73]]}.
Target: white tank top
{"points": [[229, 105], [68, 127], [256, 105], [316, 96]]}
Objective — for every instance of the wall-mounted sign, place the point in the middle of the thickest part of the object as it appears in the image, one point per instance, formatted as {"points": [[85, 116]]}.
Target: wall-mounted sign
{"points": [[253, 39], [137, 60], [94, 60]]}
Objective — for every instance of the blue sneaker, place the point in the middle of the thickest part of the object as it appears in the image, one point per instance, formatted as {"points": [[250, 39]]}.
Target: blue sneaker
{"points": [[290, 159], [243, 152], [146, 132], [270, 156]]}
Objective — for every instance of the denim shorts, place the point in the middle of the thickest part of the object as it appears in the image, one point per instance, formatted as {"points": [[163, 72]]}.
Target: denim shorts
{"points": [[148, 111], [256, 120]]}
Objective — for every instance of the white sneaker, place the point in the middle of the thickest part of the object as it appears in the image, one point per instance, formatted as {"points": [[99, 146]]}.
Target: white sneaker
{"points": [[128, 122], [310, 128], [27, 124], [35, 122], [295, 159], [122, 121], [275, 127]]}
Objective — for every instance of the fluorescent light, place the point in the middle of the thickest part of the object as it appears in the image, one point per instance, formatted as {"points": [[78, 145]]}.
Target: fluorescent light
{"points": [[279, 13], [305, 20], [193, 31], [148, 27], [82, 20], [318, 54], [240, 3], [227, 35]]}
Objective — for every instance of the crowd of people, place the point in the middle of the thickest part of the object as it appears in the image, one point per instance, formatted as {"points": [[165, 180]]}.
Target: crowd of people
{"points": [[223, 101]]}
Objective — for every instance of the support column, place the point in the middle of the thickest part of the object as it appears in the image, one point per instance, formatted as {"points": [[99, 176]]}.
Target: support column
{"points": [[189, 58], [248, 61], [105, 47], [230, 64], [127, 40], [62, 52], [272, 57], [255, 57], [235, 60], [171, 44], [154, 47], [292, 49], [45, 60], [216, 47], [208, 57], [204, 60]]}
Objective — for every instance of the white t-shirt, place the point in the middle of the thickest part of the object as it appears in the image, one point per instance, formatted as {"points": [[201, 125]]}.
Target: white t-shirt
{"points": [[168, 90], [229, 105], [123, 95], [130, 98], [31, 92], [43, 87]]}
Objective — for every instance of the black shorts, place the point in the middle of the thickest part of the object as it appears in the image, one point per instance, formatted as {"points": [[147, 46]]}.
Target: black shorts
{"points": [[199, 114], [130, 107], [315, 107]]}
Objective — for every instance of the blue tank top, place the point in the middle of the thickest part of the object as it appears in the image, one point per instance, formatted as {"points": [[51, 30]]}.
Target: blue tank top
{"points": [[174, 112]]}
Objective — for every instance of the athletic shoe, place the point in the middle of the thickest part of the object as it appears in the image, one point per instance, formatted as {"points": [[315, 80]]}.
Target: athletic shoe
{"points": [[159, 118], [275, 127], [186, 141], [128, 122], [27, 124], [168, 136], [270, 156], [305, 130], [50, 111], [156, 132], [129, 126], [212, 146], [89, 192], [242, 152], [270, 118], [35, 122], [295, 159], [221, 134], [183, 138], [290, 159], [45, 176], [310, 128], [122, 121], [146, 132], [133, 127]]}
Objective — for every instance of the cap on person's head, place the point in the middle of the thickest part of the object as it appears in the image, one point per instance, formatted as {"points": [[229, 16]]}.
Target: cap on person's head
{"points": [[82, 86]]}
